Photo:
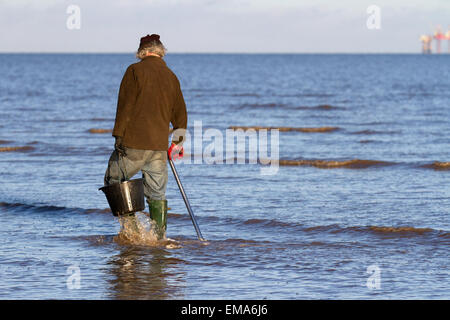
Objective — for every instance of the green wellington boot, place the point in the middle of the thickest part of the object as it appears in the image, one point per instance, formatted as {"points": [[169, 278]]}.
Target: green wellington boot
{"points": [[158, 213]]}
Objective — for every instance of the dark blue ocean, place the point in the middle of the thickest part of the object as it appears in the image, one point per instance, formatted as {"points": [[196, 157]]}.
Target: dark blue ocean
{"points": [[358, 209]]}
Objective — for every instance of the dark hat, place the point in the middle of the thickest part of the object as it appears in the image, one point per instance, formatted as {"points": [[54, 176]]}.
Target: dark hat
{"points": [[147, 39]]}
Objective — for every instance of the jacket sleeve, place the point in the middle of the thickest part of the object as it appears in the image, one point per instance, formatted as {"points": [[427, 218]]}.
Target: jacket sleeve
{"points": [[179, 116], [127, 99]]}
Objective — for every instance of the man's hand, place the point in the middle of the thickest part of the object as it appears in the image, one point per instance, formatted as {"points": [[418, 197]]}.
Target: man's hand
{"points": [[175, 151], [119, 147]]}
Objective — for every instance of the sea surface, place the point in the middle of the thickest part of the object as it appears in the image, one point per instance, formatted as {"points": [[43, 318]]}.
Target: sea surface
{"points": [[358, 209]]}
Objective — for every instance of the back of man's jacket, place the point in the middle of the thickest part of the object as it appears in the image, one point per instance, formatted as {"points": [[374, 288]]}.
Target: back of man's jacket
{"points": [[150, 98]]}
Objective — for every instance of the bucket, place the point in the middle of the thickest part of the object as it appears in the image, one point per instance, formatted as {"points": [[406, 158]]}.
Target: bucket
{"points": [[125, 197]]}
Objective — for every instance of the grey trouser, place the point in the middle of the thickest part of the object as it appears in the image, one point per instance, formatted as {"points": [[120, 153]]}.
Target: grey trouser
{"points": [[154, 170]]}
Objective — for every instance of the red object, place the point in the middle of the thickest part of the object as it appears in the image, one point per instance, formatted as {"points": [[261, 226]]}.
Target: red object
{"points": [[175, 152]]}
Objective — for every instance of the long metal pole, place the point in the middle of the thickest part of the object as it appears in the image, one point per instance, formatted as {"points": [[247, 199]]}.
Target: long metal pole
{"points": [[186, 201]]}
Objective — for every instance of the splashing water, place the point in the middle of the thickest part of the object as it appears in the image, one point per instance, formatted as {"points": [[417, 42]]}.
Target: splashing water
{"points": [[138, 230]]}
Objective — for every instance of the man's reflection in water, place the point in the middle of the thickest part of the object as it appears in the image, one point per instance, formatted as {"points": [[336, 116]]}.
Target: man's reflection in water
{"points": [[146, 273]]}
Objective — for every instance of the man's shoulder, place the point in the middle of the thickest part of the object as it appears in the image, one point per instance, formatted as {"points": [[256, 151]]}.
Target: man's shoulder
{"points": [[163, 66], [134, 65], [172, 74], [136, 68], [131, 68]]}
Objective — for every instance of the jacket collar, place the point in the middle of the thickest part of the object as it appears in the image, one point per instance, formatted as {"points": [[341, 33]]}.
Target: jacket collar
{"points": [[154, 59]]}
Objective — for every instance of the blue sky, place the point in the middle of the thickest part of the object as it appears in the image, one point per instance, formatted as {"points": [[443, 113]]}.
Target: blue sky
{"points": [[220, 25]]}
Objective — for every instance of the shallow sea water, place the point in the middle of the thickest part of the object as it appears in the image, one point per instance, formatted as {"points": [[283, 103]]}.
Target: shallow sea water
{"points": [[372, 192]]}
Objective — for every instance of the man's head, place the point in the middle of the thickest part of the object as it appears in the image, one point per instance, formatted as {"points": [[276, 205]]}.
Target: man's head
{"points": [[150, 45]]}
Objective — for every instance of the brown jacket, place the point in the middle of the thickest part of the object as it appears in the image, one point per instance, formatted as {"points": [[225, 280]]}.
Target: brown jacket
{"points": [[150, 99]]}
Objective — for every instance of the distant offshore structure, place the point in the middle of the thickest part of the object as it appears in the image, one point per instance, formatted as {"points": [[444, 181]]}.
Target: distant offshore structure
{"points": [[438, 37]]}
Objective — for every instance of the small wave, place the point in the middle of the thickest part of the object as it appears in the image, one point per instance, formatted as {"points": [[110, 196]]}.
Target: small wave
{"points": [[101, 119], [5, 141], [437, 165], [328, 228], [329, 164], [287, 129], [13, 149], [371, 132], [326, 107], [405, 231], [262, 105], [47, 208], [307, 95], [319, 107], [255, 95], [35, 208], [319, 129], [271, 223], [99, 131], [238, 242], [129, 236], [365, 132], [288, 106], [295, 227]]}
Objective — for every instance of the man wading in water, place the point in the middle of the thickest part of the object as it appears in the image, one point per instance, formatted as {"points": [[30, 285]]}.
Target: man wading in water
{"points": [[150, 99]]}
